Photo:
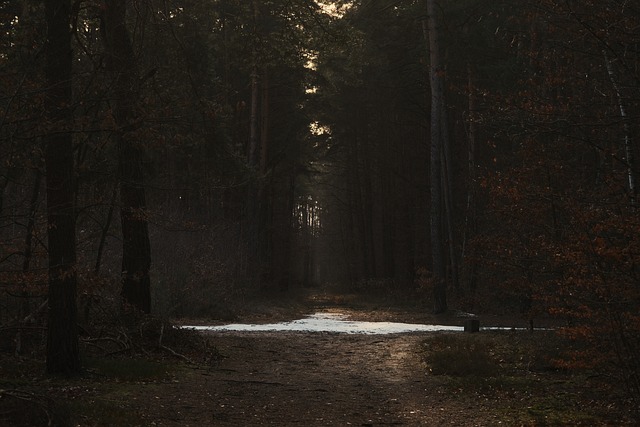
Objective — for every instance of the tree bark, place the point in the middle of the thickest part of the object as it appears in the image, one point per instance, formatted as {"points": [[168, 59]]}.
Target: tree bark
{"points": [[136, 249], [28, 240], [252, 229], [284, 275], [265, 235], [436, 74], [253, 119], [447, 184], [306, 235], [470, 212], [62, 332], [628, 149], [105, 231]]}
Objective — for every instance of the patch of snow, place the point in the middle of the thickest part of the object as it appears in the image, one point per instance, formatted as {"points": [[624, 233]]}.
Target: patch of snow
{"points": [[331, 322]]}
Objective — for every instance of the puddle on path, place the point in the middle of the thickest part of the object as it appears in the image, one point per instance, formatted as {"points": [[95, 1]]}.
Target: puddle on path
{"points": [[331, 322]]}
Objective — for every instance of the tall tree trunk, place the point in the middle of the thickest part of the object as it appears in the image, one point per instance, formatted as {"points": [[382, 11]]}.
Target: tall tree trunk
{"points": [[252, 208], [33, 210], [436, 74], [105, 231], [447, 187], [470, 212], [62, 333], [136, 249], [285, 265], [264, 127], [359, 228], [252, 205], [351, 234], [306, 236], [28, 241], [254, 138], [265, 235], [368, 208], [628, 149]]}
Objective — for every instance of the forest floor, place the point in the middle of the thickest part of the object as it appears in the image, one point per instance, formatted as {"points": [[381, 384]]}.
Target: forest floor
{"points": [[319, 379]]}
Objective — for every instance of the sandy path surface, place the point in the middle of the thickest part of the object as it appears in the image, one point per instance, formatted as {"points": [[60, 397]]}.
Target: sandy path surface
{"points": [[309, 379]]}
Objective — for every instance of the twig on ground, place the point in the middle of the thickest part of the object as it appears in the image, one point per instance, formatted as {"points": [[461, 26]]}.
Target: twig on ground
{"points": [[181, 356]]}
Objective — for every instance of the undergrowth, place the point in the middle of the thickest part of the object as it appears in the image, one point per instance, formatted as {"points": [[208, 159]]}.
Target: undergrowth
{"points": [[116, 356], [515, 371]]}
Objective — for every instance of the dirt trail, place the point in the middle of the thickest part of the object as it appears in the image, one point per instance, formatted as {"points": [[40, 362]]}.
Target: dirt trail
{"points": [[309, 379], [321, 379], [332, 379], [305, 379], [317, 379]]}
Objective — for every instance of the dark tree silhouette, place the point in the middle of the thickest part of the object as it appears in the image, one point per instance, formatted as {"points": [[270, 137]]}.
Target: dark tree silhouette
{"points": [[438, 179], [62, 338], [136, 249]]}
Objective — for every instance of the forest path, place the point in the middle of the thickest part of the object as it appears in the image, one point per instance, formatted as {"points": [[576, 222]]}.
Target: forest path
{"points": [[317, 379], [308, 379]]}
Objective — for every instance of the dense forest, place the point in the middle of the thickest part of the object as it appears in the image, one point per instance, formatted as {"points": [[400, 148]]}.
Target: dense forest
{"points": [[175, 156]]}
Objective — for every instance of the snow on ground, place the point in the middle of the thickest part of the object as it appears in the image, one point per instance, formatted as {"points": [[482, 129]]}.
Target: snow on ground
{"points": [[331, 322]]}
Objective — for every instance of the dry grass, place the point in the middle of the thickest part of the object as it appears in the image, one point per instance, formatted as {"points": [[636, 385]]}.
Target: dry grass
{"points": [[515, 371]]}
